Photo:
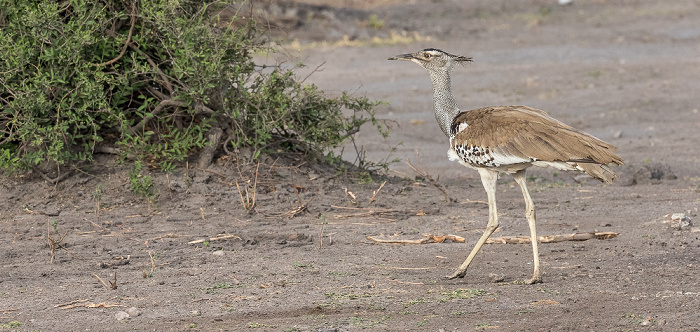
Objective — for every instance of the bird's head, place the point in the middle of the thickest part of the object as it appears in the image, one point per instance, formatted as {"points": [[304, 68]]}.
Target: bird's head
{"points": [[433, 59]]}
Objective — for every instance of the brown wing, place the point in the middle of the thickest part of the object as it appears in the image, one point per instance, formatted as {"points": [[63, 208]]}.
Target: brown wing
{"points": [[522, 132]]}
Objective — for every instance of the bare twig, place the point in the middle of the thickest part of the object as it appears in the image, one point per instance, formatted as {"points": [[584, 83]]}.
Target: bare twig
{"points": [[100, 280], [430, 238], [427, 238], [374, 193], [70, 303], [554, 238], [217, 238], [249, 201], [55, 244]]}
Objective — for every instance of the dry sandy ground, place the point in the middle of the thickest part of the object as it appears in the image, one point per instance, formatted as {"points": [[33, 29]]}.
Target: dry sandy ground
{"points": [[625, 71]]}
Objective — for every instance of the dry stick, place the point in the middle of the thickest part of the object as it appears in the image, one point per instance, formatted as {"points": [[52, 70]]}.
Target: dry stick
{"points": [[153, 263], [427, 176], [429, 238], [114, 283], [101, 281], [70, 303], [374, 193], [554, 238], [249, 202], [218, 238]]}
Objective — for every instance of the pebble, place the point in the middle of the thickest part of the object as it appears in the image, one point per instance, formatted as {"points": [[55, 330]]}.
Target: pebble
{"points": [[678, 221], [133, 312], [495, 278], [121, 315], [218, 253]]}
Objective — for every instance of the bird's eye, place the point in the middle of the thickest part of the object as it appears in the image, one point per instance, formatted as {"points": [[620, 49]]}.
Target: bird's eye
{"points": [[427, 55]]}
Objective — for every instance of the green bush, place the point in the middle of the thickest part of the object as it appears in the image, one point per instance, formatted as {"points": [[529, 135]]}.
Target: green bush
{"points": [[151, 81]]}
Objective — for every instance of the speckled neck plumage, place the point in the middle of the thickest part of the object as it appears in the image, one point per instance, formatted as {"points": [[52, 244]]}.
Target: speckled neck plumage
{"points": [[444, 102]]}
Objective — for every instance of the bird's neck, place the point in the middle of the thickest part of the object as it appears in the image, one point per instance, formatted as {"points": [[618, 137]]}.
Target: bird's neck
{"points": [[443, 100]]}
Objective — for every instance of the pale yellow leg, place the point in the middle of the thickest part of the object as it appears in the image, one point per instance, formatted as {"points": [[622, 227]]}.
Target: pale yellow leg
{"points": [[488, 179], [530, 215]]}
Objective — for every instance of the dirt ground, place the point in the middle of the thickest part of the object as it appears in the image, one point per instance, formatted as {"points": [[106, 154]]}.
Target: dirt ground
{"points": [[626, 71]]}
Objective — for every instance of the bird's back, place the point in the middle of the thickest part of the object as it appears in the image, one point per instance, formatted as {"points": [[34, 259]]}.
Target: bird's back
{"points": [[517, 136]]}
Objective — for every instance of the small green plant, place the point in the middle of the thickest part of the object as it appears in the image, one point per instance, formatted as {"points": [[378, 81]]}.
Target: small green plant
{"points": [[301, 264], [192, 326], [413, 302], [484, 326], [464, 293], [10, 325], [375, 22], [205, 243], [142, 185], [366, 323], [365, 178], [97, 197], [213, 289]]}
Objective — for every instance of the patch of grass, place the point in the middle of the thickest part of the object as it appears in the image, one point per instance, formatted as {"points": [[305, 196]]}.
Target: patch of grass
{"points": [[366, 323], [484, 326], [350, 296], [375, 22], [594, 74], [10, 325], [302, 264], [143, 185], [416, 301], [634, 318], [219, 285], [463, 293]]}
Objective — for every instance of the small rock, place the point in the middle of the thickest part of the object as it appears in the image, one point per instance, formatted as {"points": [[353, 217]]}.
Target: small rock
{"points": [[678, 221], [133, 312], [121, 315], [494, 278], [196, 312], [645, 174], [218, 253]]}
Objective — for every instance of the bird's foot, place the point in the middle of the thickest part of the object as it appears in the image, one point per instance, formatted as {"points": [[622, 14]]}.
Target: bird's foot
{"points": [[457, 274], [534, 280]]}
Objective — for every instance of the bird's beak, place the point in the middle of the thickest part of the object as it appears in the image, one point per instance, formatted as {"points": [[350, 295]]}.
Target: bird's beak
{"points": [[406, 57], [459, 58]]}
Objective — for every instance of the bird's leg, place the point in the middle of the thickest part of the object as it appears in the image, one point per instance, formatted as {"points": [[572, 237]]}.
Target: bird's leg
{"points": [[488, 179], [519, 177]]}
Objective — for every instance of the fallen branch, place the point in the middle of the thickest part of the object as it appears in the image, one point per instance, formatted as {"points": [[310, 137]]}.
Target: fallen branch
{"points": [[427, 238], [378, 212], [430, 238], [554, 238], [218, 238]]}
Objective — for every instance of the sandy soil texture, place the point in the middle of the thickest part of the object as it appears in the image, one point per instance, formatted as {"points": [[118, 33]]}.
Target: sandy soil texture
{"points": [[196, 259]]}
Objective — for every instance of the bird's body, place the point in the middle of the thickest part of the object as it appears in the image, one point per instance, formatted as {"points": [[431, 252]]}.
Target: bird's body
{"points": [[508, 139]]}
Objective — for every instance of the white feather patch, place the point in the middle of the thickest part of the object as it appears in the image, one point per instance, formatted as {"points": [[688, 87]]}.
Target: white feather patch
{"points": [[507, 159], [461, 127]]}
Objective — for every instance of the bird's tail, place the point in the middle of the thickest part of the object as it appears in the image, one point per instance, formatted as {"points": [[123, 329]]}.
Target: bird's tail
{"points": [[598, 171]]}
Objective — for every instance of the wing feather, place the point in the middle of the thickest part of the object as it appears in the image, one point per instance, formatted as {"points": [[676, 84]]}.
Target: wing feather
{"points": [[522, 134]]}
